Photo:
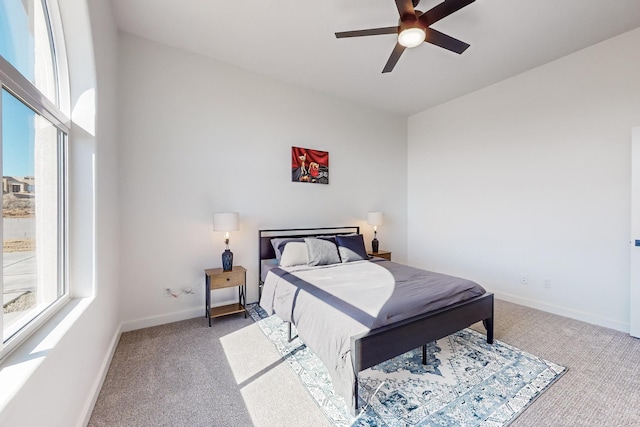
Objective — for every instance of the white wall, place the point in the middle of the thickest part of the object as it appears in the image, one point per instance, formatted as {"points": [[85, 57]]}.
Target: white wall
{"points": [[61, 366], [532, 175], [198, 137]]}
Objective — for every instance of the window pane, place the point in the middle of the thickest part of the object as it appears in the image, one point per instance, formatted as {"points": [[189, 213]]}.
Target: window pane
{"points": [[30, 215], [25, 42]]}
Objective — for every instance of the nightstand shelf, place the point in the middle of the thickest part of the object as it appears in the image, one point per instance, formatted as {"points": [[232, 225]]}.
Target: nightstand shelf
{"points": [[226, 309], [217, 278]]}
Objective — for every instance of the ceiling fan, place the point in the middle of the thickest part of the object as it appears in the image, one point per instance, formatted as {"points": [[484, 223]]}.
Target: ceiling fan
{"points": [[415, 28]]}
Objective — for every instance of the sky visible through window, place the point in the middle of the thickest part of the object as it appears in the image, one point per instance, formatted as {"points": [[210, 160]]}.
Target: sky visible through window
{"points": [[17, 119]]}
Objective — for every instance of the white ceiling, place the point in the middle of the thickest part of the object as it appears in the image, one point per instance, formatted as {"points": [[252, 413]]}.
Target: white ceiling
{"points": [[293, 41]]}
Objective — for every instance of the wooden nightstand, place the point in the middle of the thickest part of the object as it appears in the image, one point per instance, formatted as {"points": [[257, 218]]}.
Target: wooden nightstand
{"points": [[216, 278], [380, 254]]}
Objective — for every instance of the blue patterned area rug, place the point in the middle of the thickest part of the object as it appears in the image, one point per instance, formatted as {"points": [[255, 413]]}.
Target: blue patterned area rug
{"points": [[466, 381]]}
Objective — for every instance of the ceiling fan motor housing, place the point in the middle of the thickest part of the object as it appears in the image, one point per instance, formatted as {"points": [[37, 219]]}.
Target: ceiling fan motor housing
{"points": [[412, 32]]}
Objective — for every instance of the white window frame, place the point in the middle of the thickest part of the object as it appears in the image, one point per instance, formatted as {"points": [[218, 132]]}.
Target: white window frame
{"points": [[20, 87]]}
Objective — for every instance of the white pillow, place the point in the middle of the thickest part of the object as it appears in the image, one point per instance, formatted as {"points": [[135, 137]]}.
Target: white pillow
{"points": [[295, 253], [277, 243]]}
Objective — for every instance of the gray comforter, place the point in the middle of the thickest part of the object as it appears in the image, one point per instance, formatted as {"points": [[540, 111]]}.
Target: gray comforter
{"points": [[330, 304]]}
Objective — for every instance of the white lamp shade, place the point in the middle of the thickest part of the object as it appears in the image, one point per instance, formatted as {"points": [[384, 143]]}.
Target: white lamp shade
{"points": [[374, 218], [226, 221]]}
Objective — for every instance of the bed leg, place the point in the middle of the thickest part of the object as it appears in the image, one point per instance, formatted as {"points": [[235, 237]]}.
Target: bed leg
{"points": [[354, 408], [488, 325], [424, 354]]}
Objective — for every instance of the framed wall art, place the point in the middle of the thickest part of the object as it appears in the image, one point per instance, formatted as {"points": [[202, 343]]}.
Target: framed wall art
{"points": [[311, 166]]}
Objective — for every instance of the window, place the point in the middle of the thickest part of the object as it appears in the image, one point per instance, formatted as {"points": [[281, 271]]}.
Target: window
{"points": [[26, 43], [33, 142]]}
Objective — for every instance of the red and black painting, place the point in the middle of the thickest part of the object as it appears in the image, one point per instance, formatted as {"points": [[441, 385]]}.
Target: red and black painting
{"points": [[309, 165]]}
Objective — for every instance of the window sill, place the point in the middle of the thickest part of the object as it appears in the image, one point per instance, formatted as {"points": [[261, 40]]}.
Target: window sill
{"points": [[18, 366]]}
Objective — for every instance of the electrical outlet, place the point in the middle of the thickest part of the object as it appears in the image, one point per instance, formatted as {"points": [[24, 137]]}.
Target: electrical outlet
{"points": [[546, 283], [524, 279]]}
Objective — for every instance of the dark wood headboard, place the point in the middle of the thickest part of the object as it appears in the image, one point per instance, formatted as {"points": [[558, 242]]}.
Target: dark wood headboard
{"points": [[266, 250]]}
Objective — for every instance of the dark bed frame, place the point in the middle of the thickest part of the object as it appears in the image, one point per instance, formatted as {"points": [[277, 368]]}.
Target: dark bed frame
{"points": [[373, 347]]}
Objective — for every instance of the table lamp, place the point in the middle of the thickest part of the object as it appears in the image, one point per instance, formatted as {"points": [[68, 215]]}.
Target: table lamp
{"points": [[226, 221], [375, 219]]}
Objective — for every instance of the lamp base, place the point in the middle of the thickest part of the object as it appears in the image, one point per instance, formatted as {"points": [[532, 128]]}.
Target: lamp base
{"points": [[374, 245], [227, 260]]}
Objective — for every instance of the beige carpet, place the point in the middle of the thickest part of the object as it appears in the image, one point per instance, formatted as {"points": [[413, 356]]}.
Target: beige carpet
{"points": [[187, 374]]}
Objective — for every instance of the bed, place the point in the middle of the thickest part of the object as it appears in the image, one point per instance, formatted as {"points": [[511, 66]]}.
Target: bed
{"points": [[354, 315]]}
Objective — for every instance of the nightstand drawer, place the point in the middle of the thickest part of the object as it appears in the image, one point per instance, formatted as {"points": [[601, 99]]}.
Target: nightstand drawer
{"points": [[381, 254], [227, 279]]}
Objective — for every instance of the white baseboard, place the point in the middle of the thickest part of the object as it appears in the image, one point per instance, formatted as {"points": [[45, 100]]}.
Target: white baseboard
{"points": [[162, 319], [99, 381], [566, 312]]}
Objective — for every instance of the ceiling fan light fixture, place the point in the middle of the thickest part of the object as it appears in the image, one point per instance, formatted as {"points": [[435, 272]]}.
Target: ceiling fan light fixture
{"points": [[412, 37]]}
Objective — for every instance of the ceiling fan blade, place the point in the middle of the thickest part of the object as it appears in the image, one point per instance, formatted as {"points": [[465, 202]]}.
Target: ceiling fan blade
{"points": [[393, 59], [369, 32], [442, 10], [405, 9], [440, 39]]}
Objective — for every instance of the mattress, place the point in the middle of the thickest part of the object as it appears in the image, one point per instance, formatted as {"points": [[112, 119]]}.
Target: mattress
{"points": [[265, 266]]}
